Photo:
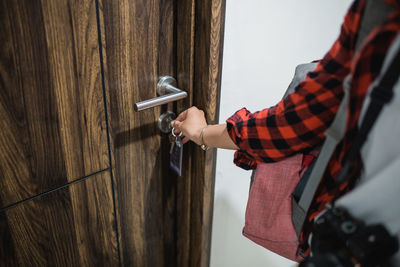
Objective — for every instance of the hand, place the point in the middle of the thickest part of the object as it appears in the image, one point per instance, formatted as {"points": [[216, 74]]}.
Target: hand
{"points": [[190, 122]]}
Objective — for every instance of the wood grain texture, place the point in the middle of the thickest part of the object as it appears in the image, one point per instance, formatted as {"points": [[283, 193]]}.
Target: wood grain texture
{"points": [[72, 226], [139, 47], [210, 19], [185, 30], [163, 220], [52, 116]]}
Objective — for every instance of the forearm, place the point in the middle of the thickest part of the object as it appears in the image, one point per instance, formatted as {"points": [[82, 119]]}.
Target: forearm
{"points": [[217, 136]]}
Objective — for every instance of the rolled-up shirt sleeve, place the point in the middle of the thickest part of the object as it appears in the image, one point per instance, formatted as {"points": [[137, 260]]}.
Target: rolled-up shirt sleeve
{"points": [[298, 122]]}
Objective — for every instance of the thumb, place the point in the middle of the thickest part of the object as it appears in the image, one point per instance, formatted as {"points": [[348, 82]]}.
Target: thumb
{"points": [[176, 124]]}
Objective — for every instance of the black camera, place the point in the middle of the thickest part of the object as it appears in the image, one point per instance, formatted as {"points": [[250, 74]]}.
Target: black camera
{"points": [[338, 240]]}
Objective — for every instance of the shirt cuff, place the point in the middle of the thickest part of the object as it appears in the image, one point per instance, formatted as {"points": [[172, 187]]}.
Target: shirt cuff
{"points": [[244, 160], [234, 126]]}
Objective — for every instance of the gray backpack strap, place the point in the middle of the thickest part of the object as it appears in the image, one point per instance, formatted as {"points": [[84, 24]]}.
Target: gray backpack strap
{"points": [[299, 75], [376, 11], [334, 135]]}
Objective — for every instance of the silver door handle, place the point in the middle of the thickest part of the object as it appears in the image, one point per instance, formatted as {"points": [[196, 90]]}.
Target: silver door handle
{"points": [[167, 93]]}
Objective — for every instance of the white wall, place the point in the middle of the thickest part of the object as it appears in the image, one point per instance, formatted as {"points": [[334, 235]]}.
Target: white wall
{"points": [[264, 41]]}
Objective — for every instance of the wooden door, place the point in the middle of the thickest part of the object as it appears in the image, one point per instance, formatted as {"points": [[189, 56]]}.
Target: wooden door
{"points": [[55, 182], [85, 179]]}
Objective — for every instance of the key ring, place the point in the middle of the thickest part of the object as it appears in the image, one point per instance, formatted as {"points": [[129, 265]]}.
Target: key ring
{"points": [[173, 134]]}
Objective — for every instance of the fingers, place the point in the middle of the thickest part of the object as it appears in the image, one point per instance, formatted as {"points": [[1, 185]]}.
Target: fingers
{"points": [[177, 131], [177, 125], [182, 116], [188, 123]]}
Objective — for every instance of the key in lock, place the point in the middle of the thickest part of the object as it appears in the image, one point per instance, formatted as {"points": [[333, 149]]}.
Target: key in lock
{"points": [[164, 121]]}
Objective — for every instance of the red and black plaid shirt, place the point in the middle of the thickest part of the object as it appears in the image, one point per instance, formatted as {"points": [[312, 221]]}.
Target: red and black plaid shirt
{"points": [[298, 123]]}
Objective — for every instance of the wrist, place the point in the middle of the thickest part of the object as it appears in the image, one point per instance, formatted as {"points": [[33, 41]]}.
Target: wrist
{"points": [[202, 142]]}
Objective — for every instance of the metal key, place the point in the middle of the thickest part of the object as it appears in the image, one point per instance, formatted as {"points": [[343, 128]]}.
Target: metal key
{"points": [[172, 141]]}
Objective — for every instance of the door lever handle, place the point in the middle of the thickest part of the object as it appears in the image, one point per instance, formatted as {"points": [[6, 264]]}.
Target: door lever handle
{"points": [[167, 93]]}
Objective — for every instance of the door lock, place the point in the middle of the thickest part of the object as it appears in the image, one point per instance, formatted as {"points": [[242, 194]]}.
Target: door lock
{"points": [[164, 122]]}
